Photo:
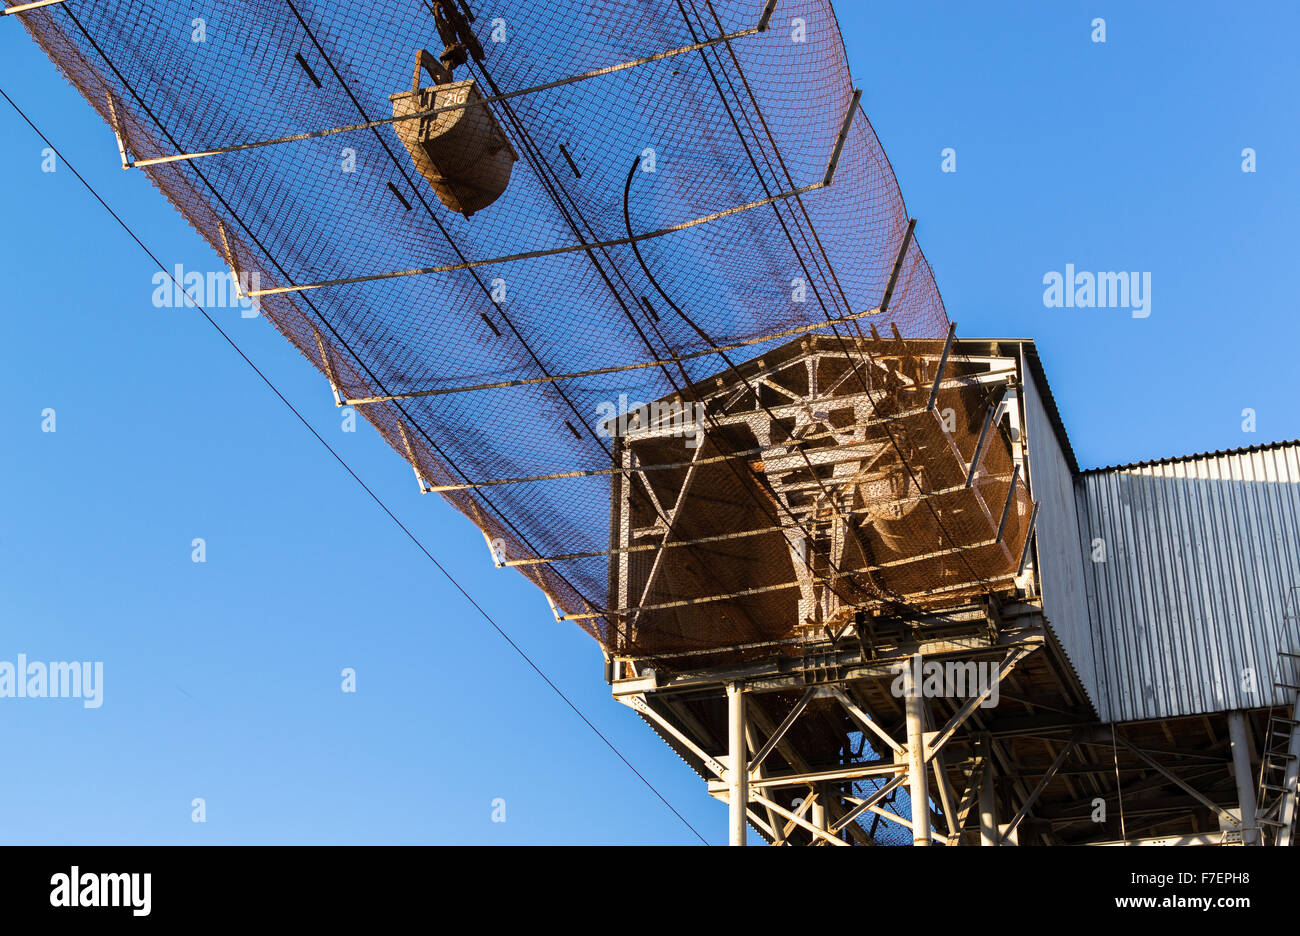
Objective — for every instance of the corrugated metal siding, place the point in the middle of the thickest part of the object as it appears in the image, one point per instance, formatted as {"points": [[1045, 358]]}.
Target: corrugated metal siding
{"points": [[1201, 556], [1060, 567]]}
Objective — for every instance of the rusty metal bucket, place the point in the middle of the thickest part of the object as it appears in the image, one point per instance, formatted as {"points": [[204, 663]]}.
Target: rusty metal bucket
{"points": [[463, 153]]}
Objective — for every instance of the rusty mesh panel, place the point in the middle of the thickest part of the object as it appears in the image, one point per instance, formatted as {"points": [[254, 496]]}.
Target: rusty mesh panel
{"points": [[846, 493], [729, 125]]}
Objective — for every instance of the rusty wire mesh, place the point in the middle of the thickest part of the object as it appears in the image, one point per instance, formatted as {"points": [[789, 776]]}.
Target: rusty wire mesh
{"points": [[835, 455], [729, 125]]}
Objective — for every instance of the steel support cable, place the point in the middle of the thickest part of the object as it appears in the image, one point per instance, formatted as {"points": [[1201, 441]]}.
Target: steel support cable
{"points": [[346, 467], [803, 264], [811, 280], [477, 279], [627, 219], [759, 174], [450, 463], [673, 357], [776, 151], [781, 220], [533, 156], [442, 229], [826, 312], [482, 286], [815, 291], [539, 167], [907, 243], [844, 300], [617, 626]]}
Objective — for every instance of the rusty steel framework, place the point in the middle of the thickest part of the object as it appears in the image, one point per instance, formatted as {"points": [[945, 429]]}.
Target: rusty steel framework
{"points": [[843, 745], [482, 348], [951, 714], [821, 483], [632, 286]]}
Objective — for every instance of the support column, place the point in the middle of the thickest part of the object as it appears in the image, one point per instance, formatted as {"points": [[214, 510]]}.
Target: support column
{"points": [[737, 764], [988, 798], [1244, 776], [817, 814], [918, 791]]}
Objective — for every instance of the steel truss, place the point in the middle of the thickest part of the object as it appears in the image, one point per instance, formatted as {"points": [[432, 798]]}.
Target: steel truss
{"points": [[966, 768]]}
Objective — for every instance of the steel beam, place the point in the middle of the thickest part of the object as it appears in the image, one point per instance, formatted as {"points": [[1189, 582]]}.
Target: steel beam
{"points": [[821, 834], [919, 794], [25, 7], [761, 754], [1244, 778], [965, 712], [1178, 781], [1009, 833], [616, 369], [737, 771], [865, 720], [988, 801]]}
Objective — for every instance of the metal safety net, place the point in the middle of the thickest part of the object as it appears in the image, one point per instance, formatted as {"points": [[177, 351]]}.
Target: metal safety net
{"points": [[644, 196]]}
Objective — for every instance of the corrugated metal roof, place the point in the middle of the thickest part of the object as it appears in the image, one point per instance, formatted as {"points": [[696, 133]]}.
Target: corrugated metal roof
{"points": [[1196, 593], [1263, 446]]}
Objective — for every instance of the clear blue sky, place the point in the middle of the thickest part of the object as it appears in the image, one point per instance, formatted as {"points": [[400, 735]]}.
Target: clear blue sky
{"points": [[222, 679]]}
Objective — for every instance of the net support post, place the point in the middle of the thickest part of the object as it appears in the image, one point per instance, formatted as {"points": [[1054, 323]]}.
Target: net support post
{"points": [[329, 369], [415, 465], [898, 265], [1006, 508], [127, 163], [843, 138], [1029, 537], [37, 4], [498, 560], [943, 363], [979, 446], [229, 256]]}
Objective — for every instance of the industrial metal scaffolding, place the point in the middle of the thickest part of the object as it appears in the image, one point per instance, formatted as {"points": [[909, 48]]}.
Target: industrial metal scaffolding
{"points": [[685, 366]]}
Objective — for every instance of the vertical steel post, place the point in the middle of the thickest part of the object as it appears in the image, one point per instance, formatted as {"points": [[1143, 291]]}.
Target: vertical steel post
{"points": [[918, 790], [988, 798], [737, 764], [1242, 773], [817, 815]]}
